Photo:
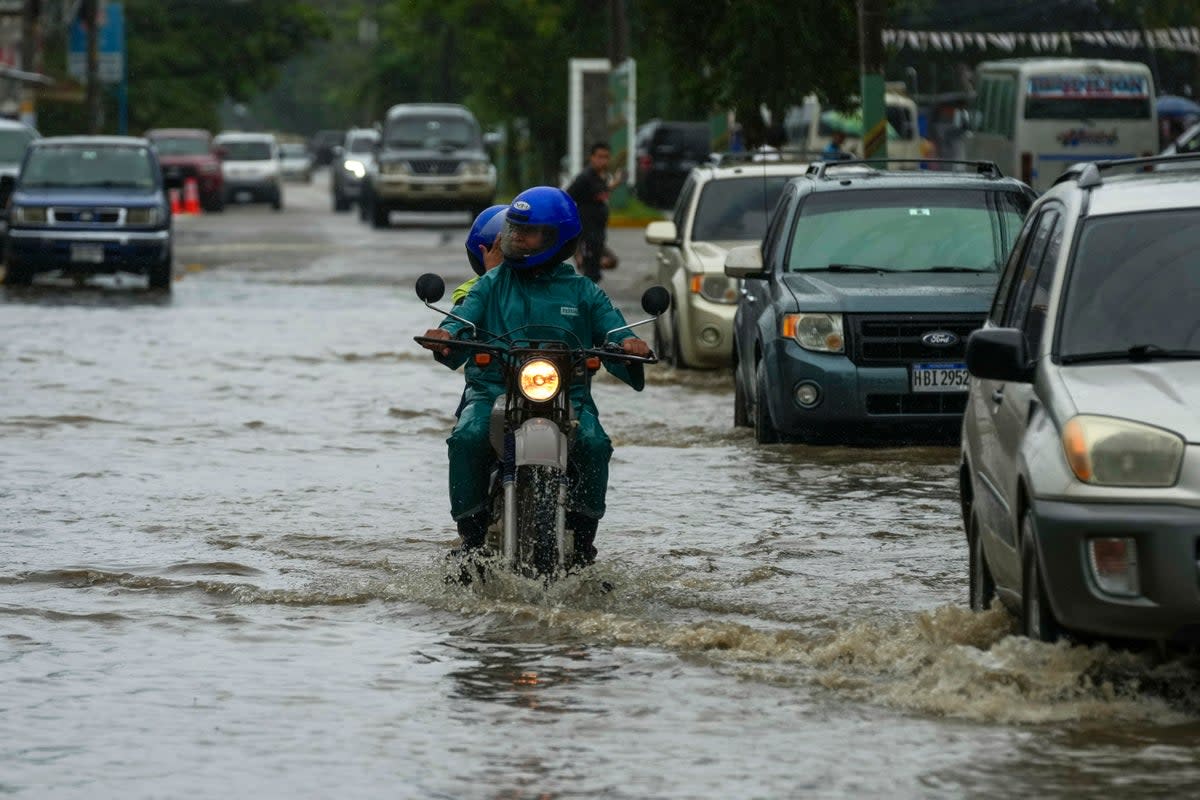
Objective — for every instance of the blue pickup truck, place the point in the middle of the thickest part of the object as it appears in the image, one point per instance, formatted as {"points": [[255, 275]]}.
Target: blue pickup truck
{"points": [[89, 205]]}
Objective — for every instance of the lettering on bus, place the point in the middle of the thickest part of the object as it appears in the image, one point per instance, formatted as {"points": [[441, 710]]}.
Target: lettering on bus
{"points": [[1075, 137], [1097, 86]]}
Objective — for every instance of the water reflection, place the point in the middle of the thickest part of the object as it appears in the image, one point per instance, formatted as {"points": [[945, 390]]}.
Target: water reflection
{"points": [[106, 293]]}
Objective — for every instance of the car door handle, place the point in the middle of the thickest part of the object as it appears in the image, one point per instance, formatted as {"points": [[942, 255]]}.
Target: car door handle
{"points": [[998, 396]]}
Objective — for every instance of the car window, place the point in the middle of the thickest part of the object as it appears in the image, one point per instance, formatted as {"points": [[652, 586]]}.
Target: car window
{"points": [[682, 203], [1190, 144], [771, 237], [1032, 301], [293, 150], [182, 146], [736, 209], [906, 229], [1031, 264], [432, 132], [361, 144], [1013, 267], [247, 150], [83, 167], [1134, 281]]}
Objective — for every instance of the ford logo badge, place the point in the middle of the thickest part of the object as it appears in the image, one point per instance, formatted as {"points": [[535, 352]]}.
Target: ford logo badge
{"points": [[939, 339]]}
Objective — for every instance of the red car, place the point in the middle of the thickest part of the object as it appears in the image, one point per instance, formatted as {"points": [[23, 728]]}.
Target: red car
{"points": [[188, 153]]}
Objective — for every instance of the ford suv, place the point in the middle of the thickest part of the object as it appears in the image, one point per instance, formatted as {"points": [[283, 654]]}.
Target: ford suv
{"points": [[855, 309], [1080, 475], [431, 157]]}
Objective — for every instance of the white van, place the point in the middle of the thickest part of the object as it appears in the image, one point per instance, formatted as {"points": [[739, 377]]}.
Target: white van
{"points": [[250, 166], [1036, 117], [806, 131]]}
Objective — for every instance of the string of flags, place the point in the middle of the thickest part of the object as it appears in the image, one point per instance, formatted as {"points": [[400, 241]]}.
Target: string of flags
{"points": [[1180, 39]]}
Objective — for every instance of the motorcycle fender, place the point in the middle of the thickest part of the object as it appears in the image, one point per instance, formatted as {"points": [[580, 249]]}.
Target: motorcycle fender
{"points": [[539, 442]]}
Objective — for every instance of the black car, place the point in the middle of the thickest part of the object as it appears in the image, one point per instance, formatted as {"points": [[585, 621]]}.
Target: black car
{"points": [[666, 154]]}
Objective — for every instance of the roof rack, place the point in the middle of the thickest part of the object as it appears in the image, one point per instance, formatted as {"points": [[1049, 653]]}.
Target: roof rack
{"points": [[765, 157], [1086, 174], [984, 168]]}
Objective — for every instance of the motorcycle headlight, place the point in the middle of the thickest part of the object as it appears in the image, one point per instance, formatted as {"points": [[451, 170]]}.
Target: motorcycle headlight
{"points": [[30, 215], [715, 288], [538, 380], [355, 168], [821, 333], [1106, 451], [141, 216]]}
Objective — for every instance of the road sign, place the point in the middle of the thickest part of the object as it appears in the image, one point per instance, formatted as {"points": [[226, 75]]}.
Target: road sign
{"points": [[111, 44]]}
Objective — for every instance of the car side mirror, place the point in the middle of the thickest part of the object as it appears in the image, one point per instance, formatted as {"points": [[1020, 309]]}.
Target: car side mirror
{"points": [[662, 232], [430, 288], [744, 262], [656, 300], [999, 354]]}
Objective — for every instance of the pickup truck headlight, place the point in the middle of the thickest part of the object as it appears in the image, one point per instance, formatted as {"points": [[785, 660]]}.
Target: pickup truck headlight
{"points": [[141, 216], [821, 333], [715, 288], [1106, 451], [475, 169], [29, 215]]}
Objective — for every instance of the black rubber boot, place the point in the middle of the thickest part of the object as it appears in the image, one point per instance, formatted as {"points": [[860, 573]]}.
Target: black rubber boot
{"points": [[585, 537], [473, 531]]}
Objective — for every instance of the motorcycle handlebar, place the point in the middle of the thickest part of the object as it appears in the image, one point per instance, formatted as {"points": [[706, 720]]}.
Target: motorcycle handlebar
{"points": [[460, 343], [615, 354], [621, 355]]}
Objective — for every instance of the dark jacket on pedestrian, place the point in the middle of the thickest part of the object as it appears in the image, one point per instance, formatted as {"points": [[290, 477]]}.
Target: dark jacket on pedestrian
{"points": [[590, 190]]}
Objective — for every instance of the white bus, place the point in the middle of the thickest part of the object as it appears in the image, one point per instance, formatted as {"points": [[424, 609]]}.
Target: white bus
{"points": [[1036, 117], [806, 131]]}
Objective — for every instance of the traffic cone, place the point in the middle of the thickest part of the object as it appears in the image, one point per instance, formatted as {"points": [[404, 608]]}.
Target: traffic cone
{"points": [[176, 208], [191, 197]]}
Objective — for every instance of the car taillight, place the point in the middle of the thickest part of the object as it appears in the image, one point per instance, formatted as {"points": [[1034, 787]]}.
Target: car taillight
{"points": [[645, 163], [1027, 167]]}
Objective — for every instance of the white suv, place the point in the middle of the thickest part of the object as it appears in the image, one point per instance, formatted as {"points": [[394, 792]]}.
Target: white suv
{"points": [[250, 166], [1080, 472], [723, 205]]}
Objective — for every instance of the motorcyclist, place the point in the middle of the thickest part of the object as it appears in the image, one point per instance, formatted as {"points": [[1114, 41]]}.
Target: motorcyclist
{"points": [[533, 287]]}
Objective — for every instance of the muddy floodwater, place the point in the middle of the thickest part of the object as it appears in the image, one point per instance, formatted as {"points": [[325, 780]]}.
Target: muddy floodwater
{"points": [[223, 521]]}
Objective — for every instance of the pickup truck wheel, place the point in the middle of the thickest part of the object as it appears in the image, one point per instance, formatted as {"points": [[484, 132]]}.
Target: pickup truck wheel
{"points": [[379, 215], [741, 412], [764, 429], [982, 588], [340, 202], [161, 273], [1037, 618]]}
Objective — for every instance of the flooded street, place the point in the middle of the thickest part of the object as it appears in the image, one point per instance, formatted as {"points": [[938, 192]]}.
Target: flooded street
{"points": [[223, 523]]}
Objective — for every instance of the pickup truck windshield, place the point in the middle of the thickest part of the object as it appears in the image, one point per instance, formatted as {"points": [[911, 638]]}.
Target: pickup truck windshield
{"points": [[737, 209], [907, 230], [13, 144], [81, 167], [182, 146], [362, 144], [1135, 282], [431, 133]]}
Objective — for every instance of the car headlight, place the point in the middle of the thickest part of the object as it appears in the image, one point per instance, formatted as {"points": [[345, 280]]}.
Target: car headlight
{"points": [[141, 216], [818, 332], [355, 168], [395, 168], [538, 380], [716, 288], [475, 169], [1106, 451], [30, 215]]}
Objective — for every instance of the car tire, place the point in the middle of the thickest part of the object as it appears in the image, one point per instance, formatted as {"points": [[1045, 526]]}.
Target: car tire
{"points": [[1037, 617], [676, 351], [17, 274], [160, 275], [340, 202], [380, 214], [741, 411], [277, 201], [764, 428], [981, 586]]}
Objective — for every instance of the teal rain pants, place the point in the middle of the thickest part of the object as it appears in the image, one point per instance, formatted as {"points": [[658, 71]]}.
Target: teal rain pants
{"points": [[472, 457]]}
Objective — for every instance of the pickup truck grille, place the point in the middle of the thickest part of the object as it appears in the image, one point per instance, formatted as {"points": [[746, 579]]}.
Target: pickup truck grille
{"points": [[433, 167], [947, 403], [105, 216], [887, 340]]}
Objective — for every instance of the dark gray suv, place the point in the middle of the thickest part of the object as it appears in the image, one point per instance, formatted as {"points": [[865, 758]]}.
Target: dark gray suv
{"points": [[431, 158]]}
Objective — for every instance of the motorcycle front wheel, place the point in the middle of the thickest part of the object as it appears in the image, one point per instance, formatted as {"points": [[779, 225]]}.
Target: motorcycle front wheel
{"points": [[538, 500]]}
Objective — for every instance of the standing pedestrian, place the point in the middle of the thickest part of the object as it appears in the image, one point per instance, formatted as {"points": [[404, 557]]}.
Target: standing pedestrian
{"points": [[590, 191]]}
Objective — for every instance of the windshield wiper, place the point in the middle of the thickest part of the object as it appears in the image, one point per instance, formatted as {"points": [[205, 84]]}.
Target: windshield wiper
{"points": [[950, 269], [847, 268], [1140, 352]]}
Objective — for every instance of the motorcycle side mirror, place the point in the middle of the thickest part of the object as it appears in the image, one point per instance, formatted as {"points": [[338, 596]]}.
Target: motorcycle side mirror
{"points": [[656, 300], [430, 288]]}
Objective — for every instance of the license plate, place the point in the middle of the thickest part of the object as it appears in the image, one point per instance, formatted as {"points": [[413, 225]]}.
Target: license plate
{"points": [[940, 378], [87, 253]]}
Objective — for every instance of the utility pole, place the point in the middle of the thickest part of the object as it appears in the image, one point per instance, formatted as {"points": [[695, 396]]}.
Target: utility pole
{"points": [[89, 12], [31, 40], [871, 15], [621, 86]]}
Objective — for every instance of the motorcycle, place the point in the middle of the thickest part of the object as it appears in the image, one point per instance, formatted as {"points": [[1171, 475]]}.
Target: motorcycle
{"points": [[532, 425]]}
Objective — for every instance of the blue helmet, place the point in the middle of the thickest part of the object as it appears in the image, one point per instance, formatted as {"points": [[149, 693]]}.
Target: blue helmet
{"points": [[484, 230], [541, 210]]}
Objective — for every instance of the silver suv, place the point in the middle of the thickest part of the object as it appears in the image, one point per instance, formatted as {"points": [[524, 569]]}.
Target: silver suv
{"points": [[1080, 474]]}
